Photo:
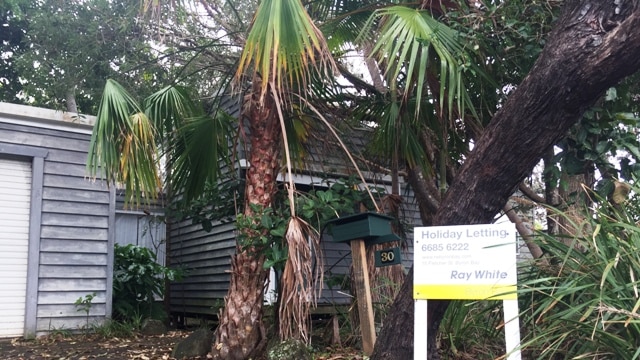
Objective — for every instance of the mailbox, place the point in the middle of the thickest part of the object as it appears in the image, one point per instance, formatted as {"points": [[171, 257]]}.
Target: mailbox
{"points": [[372, 227]]}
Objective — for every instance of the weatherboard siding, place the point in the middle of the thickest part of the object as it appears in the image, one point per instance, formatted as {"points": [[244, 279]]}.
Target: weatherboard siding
{"points": [[205, 258], [73, 255]]}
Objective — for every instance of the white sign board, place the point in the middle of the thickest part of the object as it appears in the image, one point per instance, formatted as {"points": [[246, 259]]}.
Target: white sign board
{"points": [[473, 262], [465, 262]]}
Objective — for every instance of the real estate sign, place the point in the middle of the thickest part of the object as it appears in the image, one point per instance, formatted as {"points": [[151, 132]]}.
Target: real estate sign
{"points": [[465, 262], [473, 262]]}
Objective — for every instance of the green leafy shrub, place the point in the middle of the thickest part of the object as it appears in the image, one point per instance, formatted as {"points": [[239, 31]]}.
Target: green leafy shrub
{"points": [[137, 280]]}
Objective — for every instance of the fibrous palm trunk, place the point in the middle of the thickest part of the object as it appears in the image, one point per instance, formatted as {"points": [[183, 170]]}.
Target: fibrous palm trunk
{"points": [[240, 334]]}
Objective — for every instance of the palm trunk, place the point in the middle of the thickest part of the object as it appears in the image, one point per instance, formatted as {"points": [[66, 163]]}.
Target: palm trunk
{"points": [[240, 334]]}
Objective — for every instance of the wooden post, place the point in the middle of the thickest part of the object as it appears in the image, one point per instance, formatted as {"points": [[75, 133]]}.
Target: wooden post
{"points": [[363, 294]]}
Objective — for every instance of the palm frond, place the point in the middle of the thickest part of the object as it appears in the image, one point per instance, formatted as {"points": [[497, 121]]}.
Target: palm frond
{"points": [[168, 107], [342, 21], [199, 153], [123, 147], [127, 143], [398, 128], [406, 42], [284, 47]]}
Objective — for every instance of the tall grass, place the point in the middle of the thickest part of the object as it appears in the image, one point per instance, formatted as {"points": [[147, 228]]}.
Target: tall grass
{"points": [[472, 330], [581, 299]]}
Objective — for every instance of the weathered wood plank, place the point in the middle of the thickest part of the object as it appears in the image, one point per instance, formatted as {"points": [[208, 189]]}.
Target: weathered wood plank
{"points": [[203, 236], [201, 286], [188, 229], [204, 301], [220, 249], [212, 258], [79, 246], [61, 140], [199, 310], [69, 310], [66, 297], [47, 324], [36, 130], [71, 233], [55, 258], [203, 277], [67, 156], [60, 168], [214, 272], [195, 246], [74, 182], [60, 207], [73, 195], [76, 271], [363, 293], [76, 220], [88, 285]]}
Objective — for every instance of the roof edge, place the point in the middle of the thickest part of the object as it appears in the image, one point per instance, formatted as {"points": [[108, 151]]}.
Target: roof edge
{"points": [[46, 118]]}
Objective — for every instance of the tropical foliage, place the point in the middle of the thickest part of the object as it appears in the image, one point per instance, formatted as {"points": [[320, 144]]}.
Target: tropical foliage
{"points": [[430, 77]]}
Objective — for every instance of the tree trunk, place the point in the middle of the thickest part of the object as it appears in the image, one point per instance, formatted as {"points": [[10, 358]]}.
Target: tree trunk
{"points": [[574, 202], [70, 100], [240, 334], [593, 45]]}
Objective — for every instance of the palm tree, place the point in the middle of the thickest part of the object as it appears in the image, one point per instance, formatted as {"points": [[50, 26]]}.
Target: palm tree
{"points": [[283, 54]]}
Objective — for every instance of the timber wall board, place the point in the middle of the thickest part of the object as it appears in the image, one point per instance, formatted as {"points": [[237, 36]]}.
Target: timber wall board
{"points": [[71, 233]]}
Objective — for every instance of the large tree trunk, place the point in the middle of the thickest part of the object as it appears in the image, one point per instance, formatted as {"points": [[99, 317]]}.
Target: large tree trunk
{"points": [[240, 334], [593, 45]]}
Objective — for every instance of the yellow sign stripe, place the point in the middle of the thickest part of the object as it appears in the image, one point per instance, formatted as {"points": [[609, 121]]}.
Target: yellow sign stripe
{"points": [[465, 292]]}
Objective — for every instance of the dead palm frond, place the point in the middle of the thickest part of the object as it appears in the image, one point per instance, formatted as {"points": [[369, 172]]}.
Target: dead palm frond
{"points": [[300, 280]]}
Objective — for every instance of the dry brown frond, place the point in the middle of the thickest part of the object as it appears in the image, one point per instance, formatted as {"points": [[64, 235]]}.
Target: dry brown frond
{"points": [[302, 272]]}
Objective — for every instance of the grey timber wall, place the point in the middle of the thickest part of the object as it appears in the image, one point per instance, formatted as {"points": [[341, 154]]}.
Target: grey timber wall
{"points": [[71, 222], [206, 259]]}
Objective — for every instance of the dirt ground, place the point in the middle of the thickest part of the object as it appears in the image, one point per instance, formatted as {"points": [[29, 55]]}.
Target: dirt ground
{"points": [[90, 347], [85, 347]]}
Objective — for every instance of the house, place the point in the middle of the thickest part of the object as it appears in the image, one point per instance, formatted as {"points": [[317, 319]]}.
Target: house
{"points": [[206, 256], [57, 227]]}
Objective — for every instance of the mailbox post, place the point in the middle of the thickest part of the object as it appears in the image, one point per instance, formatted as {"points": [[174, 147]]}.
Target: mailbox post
{"points": [[358, 230]]}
